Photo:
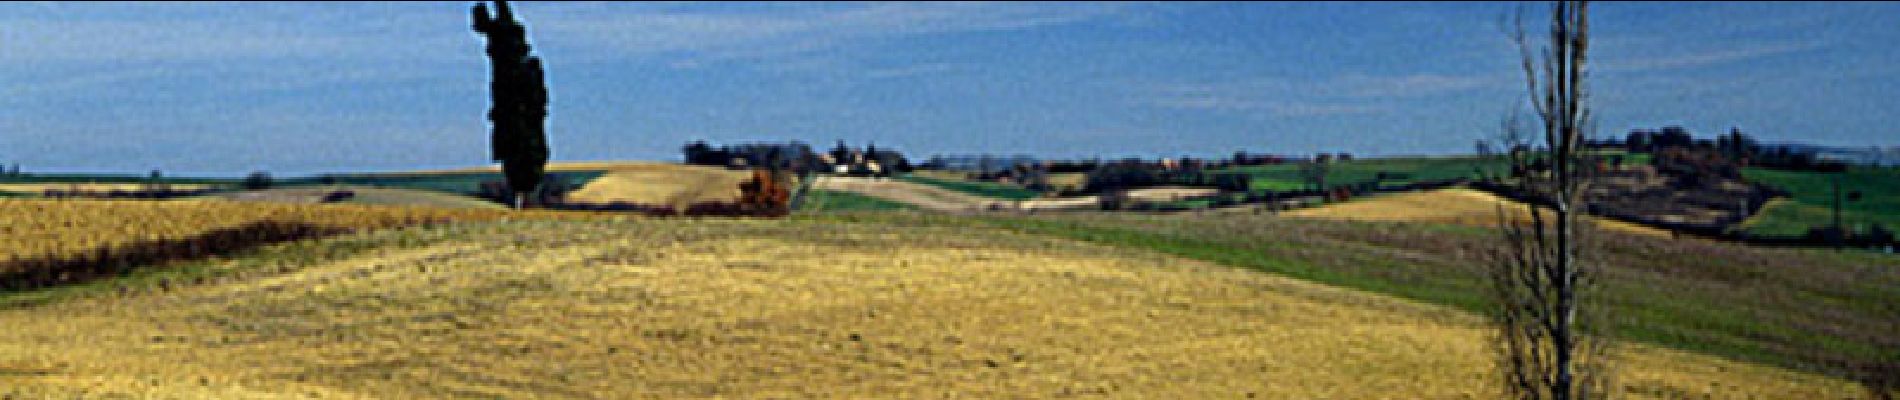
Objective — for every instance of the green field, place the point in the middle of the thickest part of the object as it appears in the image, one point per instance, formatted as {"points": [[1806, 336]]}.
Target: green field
{"points": [[1798, 308], [985, 189], [1812, 204], [821, 200], [1288, 176]]}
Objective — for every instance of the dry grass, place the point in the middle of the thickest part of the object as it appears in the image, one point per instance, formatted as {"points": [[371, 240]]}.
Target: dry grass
{"points": [[1069, 180], [773, 309], [75, 228], [360, 195], [37, 188], [677, 185], [1062, 203], [1452, 206], [1814, 310], [1170, 193]]}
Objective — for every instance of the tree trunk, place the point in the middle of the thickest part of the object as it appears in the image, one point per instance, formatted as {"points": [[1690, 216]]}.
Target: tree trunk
{"points": [[1538, 276]]}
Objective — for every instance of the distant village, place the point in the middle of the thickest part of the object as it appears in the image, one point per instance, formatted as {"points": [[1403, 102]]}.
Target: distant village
{"points": [[799, 158], [1735, 147], [1680, 182]]}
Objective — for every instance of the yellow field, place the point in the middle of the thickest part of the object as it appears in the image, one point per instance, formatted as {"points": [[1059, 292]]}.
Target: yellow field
{"points": [[1454, 206], [642, 182], [779, 309], [62, 228], [1069, 180], [1765, 208], [659, 183], [36, 188]]}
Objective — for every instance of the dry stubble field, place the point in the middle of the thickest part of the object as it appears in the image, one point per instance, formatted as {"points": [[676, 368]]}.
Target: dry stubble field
{"points": [[33, 228], [1449, 206], [676, 185], [36, 188], [773, 309]]}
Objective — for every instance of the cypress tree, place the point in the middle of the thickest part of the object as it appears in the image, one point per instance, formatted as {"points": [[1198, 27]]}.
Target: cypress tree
{"points": [[520, 100]]}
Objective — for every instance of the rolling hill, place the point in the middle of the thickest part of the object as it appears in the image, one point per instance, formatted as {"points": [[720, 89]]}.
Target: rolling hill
{"points": [[358, 195], [671, 184], [1450, 206], [788, 308]]}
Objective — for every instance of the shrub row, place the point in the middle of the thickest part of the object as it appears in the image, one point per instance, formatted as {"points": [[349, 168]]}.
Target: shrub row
{"points": [[34, 273], [123, 194]]}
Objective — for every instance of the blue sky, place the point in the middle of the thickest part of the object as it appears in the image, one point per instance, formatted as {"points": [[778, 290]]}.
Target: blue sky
{"points": [[294, 88]]}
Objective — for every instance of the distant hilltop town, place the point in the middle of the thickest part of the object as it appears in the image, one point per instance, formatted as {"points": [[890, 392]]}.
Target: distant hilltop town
{"points": [[799, 157]]}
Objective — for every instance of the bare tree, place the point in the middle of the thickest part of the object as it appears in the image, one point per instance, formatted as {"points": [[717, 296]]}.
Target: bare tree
{"points": [[1513, 144], [1539, 275], [1509, 145]]}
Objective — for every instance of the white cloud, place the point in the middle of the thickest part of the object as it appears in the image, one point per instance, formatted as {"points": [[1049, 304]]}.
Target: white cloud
{"points": [[1279, 108], [707, 36], [79, 82], [357, 42], [1345, 86], [911, 70], [1345, 94], [1359, 85], [1703, 58], [224, 32], [1312, 109]]}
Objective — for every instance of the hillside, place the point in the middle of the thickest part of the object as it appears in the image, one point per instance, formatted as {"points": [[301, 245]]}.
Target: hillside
{"points": [[1813, 310], [1399, 169], [599, 182], [1450, 206], [823, 200], [676, 185], [57, 243], [759, 308], [924, 196], [1812, 204], [358, 195]]}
